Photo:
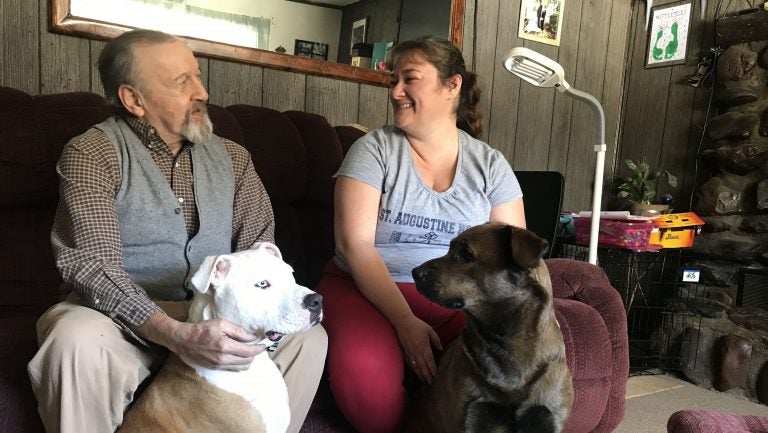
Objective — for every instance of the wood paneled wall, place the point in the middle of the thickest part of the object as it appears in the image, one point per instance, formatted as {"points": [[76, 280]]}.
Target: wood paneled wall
{"points": [[664, 117], [537, 129], [541, 129], [661, 116], [382, 24]]}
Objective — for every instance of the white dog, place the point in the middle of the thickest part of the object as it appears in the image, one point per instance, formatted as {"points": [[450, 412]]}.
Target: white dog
{"points": [[256, 290]]}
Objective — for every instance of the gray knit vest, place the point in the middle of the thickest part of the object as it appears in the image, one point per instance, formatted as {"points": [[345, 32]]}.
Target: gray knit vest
{"points": [[157, 253]]}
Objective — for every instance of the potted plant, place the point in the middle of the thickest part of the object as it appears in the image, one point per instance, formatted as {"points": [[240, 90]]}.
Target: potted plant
{"points": [[639, 187]]}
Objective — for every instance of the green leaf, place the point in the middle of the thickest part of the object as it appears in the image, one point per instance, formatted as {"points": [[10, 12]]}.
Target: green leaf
{"points": [[644, 169], [641, 183], [671, 179], [632, 166]]}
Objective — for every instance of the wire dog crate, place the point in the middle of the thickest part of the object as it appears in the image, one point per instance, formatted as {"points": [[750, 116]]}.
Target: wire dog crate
{"points": [[655, 299]]}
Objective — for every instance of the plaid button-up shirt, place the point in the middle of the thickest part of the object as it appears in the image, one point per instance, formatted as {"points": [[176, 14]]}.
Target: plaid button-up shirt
{"points": [[86, 235]]}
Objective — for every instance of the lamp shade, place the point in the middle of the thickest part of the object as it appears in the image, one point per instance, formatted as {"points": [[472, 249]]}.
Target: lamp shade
{"points": [[535, 68]]}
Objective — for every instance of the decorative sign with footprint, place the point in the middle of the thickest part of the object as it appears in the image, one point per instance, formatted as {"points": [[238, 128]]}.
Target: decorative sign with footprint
{"points": [[668, 34]]}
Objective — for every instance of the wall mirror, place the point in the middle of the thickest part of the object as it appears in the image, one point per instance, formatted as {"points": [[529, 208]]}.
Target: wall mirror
{"points": [[312, 37]]}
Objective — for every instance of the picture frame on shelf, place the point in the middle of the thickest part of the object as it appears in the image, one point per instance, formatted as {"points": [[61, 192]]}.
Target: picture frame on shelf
{"points": [[359, 29], [302, 48], [312, 50], [320, 51], [668, 32]]}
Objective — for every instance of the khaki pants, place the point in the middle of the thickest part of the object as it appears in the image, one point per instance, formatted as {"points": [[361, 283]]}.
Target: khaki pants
{"points": [[86, 372]]}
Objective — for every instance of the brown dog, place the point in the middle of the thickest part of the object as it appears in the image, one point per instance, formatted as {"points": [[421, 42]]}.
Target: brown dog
{"points": [[507, 371]]}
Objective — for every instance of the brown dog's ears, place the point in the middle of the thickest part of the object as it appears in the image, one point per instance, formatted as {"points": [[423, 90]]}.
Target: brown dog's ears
{"points": [[527, 247]]}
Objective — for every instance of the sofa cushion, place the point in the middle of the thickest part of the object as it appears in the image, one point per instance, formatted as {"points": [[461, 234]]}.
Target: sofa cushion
{"points": [[710, 421], [225, 124], [18, 408], [25, 237], [348, 135], [323, 149], [277, 150], [35, 129]]}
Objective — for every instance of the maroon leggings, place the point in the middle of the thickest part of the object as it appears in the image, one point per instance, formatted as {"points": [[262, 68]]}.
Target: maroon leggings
{"points": [[365, 360]]}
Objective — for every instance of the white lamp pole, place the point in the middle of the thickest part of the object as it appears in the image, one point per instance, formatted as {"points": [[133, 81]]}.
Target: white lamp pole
{"points": [[541, 71]]}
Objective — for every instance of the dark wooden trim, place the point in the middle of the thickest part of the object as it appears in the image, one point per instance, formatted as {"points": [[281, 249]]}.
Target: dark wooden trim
{"points": [[457, 22], [63, 22]]}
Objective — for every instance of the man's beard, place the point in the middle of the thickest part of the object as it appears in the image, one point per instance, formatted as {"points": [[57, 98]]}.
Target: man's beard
{"points": [[197, 132]]}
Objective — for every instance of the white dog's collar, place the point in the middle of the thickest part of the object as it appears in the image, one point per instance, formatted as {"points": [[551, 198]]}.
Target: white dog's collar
{"points": [[271, 345]]}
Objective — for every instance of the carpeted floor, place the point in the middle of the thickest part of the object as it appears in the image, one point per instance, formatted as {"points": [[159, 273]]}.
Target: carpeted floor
{"points": [[638, 386], [652, 399]]}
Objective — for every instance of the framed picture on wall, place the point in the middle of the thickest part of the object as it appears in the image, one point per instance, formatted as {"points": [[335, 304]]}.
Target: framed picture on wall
{"points": [[540, 21], [668, 31], [358, 31], [314, 50], [320, 51], [302, 48]]}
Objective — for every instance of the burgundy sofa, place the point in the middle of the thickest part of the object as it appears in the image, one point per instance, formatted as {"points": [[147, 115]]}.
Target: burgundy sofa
{"points": [[295, 154], [710, 421]]}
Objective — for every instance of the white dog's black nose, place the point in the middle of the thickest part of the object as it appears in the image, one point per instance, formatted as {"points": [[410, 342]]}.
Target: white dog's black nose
{"points": [[313, 302]]}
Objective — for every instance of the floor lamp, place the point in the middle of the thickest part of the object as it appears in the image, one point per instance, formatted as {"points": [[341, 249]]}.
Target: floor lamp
{"points": [[541, 71]]}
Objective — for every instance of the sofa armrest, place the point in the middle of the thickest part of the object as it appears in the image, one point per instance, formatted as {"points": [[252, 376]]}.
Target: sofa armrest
{"points": [[587, 283]]}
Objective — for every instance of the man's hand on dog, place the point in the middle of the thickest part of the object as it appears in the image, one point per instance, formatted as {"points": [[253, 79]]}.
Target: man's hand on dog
{"points": [[418, 338], [216, 344]]}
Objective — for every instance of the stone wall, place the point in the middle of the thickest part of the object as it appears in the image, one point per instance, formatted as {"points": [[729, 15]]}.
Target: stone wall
{"points": [[726, 347], [733, 202]]}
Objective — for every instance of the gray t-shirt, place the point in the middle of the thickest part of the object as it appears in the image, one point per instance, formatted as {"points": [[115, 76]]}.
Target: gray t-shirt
{"points": [[417, 223]]}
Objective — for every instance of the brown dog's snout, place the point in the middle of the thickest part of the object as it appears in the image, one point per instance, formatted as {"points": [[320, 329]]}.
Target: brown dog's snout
{"points": [[427, 283], [424, 278], [421, 274]]}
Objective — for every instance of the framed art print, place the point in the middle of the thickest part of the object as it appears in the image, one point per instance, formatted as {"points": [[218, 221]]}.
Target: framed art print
{"points": [[313, 50], [540, 20], [668, 34], [302, 48], [320, 51], [358, 31]]}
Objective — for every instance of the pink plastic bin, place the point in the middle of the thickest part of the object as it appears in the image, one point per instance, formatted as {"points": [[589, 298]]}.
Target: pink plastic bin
{"points": [[630, 234]]}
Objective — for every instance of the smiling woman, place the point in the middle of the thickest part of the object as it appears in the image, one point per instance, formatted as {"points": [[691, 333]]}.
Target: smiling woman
{"points": [[248, 31]]}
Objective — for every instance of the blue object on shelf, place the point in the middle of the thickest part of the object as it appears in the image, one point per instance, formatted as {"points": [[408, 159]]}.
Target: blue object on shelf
{"points": [[567, 221]]}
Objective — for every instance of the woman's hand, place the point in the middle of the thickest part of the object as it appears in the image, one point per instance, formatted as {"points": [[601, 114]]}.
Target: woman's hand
{"points": [[418, 339]]}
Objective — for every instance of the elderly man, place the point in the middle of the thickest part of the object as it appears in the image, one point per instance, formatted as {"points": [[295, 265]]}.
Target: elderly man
{"points": [[145, 196]]}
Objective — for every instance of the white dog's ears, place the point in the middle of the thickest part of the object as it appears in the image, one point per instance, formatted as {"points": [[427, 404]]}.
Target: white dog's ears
{"points": [[214, 269], [211, 273], [267, 247]]}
